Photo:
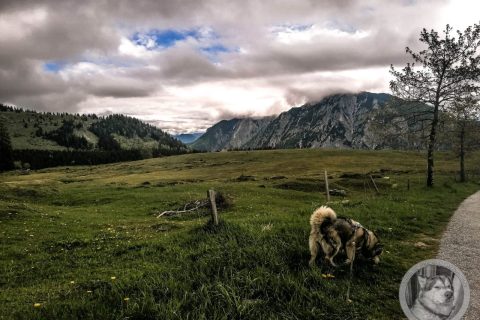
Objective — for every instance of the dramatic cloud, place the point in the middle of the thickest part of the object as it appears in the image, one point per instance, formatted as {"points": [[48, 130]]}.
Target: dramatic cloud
{"points": [[183, 65]]}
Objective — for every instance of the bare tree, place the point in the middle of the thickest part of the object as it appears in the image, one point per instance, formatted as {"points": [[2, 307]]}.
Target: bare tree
{"points": [[448, 67]]}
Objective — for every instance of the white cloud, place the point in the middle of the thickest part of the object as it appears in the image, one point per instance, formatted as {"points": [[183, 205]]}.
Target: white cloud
{"points": [[128, 48], [459, 14], [305, 34]]}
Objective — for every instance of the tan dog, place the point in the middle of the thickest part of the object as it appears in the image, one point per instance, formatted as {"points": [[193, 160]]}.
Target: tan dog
{"points": [[332, 234], [435, 299]]}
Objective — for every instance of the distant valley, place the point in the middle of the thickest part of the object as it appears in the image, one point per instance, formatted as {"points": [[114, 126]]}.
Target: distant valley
{"points": [[188, 137]]}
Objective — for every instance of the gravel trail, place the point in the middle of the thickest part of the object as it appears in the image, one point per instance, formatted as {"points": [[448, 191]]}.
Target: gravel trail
{"points": [[460, 245]]}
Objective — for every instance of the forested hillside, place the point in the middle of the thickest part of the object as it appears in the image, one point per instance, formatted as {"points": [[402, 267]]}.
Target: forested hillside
{"points": [[49, 139]]}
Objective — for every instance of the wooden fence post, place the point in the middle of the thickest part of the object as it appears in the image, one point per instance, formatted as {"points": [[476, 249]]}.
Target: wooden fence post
{"points": [[408, 184], [374, 184], [213, 204], [327, 189]]}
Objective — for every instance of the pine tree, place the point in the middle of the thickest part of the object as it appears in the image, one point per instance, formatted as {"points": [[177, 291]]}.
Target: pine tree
{"points": [[6, 153]]}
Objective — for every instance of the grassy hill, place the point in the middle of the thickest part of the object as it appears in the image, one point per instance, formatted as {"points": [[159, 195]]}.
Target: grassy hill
{"points": [[22, 127], [41, 140], [85, 243], [45, 131]]}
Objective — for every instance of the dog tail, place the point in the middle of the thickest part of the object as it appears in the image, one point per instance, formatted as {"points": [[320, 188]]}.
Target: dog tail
{"points": [[319, 216]]}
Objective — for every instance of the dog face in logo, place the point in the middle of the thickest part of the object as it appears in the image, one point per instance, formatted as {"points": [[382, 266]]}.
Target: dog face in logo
{"points": [[436, 295]]}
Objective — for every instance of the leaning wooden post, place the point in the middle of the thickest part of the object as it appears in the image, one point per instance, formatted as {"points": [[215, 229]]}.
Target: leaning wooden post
{"points": [[327, 189], [213, 204], [374, 184]]}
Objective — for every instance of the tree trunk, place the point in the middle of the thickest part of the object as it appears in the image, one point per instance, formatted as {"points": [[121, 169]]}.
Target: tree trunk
{"points": [[462, 154], [431, 146]]}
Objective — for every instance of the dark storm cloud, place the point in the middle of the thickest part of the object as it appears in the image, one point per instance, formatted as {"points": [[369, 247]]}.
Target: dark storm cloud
{"points": [[120, 91], [26, 78], [54, 33]]}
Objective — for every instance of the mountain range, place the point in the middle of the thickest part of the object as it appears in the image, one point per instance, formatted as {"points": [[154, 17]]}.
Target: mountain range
{"points": [[356, 121], [362, 121]]}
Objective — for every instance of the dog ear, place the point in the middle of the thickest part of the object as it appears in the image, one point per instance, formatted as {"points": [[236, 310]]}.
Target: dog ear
{"points": [[422, 281]]}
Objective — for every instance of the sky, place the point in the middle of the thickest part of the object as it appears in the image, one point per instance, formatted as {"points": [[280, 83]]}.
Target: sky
{"points": [[184, 65]]}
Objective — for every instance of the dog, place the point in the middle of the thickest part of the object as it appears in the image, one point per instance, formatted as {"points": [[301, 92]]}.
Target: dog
{"points": [[435, 300], [331, 235]]}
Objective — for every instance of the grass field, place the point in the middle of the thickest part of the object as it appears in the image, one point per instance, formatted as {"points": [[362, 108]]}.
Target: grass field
{"points": [[85, 243]]}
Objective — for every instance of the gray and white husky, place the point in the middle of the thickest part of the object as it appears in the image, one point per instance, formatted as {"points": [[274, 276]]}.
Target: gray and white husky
{"points": [[435, 301]]}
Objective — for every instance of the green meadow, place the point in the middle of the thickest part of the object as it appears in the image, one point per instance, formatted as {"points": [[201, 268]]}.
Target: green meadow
{"points": [[86, 243]]}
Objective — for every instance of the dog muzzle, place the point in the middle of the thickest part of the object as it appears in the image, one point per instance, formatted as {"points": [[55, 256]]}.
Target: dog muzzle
{"points": [[377, 250]]}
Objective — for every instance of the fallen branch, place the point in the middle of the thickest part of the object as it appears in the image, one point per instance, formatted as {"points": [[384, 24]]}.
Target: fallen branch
{"points": [[199, 204], [221, 201]]}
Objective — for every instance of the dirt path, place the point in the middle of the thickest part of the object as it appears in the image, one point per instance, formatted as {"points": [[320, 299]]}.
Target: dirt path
{"points": [[460, 245]]}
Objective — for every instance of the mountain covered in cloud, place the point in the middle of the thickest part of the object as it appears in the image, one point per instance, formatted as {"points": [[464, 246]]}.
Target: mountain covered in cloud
{"points": [[337, 121], [340, 121]]}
